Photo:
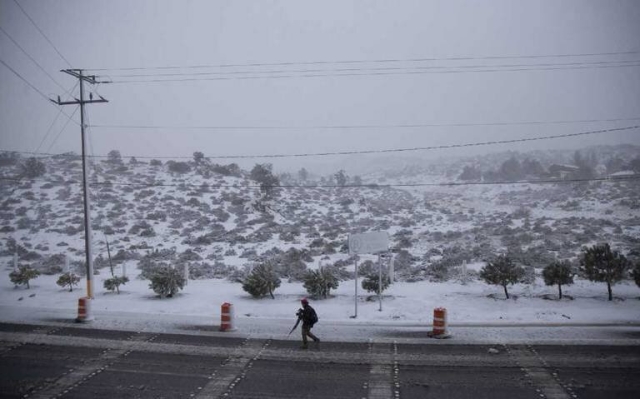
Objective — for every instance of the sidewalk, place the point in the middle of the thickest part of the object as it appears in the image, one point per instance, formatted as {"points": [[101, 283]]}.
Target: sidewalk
{"points": [[349, 330]]}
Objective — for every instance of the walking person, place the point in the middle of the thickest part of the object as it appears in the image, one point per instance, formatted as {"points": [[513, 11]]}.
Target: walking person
{"points": [[309, 317]]}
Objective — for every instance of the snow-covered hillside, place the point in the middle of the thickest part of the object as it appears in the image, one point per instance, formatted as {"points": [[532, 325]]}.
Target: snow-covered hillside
{"points": [[216, 219]]}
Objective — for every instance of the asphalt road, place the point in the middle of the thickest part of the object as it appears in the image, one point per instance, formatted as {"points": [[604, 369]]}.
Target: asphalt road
{"points": [[45, 361]]}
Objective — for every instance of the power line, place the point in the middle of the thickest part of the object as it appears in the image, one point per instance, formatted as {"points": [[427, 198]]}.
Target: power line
{"points": [[346, 127], [396, 68], [33, 87], [63, 128], [359, 186], [318, 75], [42, 33], [388, 60], [25, 80], [52, 124], [358, 152], [32, 59]]}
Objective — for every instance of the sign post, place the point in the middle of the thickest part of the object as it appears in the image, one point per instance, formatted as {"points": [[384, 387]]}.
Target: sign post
{"points": [[367, 243], [380, 282]]}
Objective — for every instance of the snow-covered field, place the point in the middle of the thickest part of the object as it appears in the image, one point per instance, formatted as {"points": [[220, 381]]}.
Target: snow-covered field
{"points": [[406, 308]]}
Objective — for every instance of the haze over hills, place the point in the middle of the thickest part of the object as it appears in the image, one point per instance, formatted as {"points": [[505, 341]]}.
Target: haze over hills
{"points": [[219, 218]]}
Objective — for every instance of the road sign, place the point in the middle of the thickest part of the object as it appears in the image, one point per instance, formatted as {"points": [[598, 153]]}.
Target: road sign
{"points": [[368, 243]]}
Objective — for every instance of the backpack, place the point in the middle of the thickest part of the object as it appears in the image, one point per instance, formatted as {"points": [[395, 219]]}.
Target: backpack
{"points": [[314, 317]]}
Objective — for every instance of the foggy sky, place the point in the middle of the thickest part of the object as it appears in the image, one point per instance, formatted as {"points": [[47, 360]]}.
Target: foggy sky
{"points": [[124, 34]]}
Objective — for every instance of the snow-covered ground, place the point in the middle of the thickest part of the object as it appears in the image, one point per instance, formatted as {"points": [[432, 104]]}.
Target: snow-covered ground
{"points": [[476, 311]]}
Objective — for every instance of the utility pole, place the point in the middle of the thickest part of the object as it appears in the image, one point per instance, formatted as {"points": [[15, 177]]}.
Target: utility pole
{"points": [[77, 73]]}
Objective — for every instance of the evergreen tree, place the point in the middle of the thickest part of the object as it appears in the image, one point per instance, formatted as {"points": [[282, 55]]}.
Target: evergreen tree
{"points": [[114, 157], [599, 263], [502, 271], [319, 283], [115, 282], [178, 167], [470, 173], [634, 164], [23, 275], [68, 279], [341, 178], [370, 283], [166, 281], [198, 157], [32, 167], [303, 175], [558, 273], [511, 169], [262, 173], [261, 281], [635, 273]]}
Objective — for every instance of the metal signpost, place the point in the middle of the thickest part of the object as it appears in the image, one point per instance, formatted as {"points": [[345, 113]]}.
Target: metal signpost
{"points": [[367, 243]]}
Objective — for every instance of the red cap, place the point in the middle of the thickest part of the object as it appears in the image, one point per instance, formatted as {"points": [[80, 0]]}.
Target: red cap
{"points": [[304, 301]]}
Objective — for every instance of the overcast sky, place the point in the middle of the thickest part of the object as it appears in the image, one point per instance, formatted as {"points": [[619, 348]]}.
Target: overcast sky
{"points": [[456, 62]]}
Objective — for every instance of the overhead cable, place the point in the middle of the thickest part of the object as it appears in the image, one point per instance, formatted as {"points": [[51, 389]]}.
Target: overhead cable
{"points": [[395, 68], [347, 127], [382, 151], [34, 88], [42, 33], [384, 60], [32, 59]]}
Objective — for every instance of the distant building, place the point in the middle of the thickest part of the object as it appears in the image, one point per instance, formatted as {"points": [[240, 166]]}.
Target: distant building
{"points": [[622, 174], [563, 171]]}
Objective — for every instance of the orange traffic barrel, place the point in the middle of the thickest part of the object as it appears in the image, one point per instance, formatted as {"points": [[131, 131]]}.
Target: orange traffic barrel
{"points": [[439, 323], [84, 310], [227, 317]]}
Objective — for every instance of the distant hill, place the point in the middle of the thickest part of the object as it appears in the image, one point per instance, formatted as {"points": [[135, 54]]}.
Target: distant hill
{"points": [[219, 219]]}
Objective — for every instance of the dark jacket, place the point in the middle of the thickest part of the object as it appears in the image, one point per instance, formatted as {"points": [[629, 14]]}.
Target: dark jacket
{"points": [[308, 316]]}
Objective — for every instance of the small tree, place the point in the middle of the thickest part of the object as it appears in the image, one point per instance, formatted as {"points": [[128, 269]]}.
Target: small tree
{"points": [[341, 178], [502, 271], [558, 273], [115, 282], [635, 273], [319, 283], [32, 167], [114, 157], [68, 279], [198, 157], [23, 275], [262, 173], [261, 281], [166, 281], [370, 283], [599, 263]]}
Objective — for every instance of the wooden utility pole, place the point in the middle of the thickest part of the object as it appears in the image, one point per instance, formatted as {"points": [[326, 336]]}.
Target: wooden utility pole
{"points": [[77, 73]]}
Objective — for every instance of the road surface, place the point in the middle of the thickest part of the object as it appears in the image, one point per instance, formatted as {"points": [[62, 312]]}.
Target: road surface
{"points": [[69, 361]]}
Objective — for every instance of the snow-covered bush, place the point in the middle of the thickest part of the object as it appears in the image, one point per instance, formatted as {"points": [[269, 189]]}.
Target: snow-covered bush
{"points": [[114, 283], [261, 281], [23, 275], [68, 280], [371, 283], [50, 265], [204, 270], [166, 281], [319, 283]]}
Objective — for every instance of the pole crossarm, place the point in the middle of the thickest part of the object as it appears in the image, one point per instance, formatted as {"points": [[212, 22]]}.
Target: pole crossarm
{"points": [[77, 101]]}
